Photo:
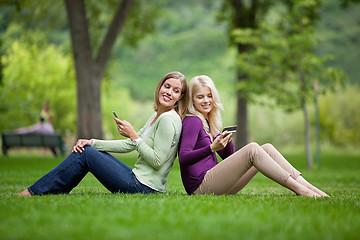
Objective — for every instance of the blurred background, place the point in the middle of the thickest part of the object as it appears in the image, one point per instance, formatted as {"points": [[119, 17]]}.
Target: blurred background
{"points": [[194, 37]]}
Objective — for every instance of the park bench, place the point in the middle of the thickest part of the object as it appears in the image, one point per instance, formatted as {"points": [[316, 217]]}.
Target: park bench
{"points": [[11, 139]]}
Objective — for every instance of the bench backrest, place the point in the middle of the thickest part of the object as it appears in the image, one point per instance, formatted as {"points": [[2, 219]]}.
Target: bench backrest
{"points": [[31, 140]]}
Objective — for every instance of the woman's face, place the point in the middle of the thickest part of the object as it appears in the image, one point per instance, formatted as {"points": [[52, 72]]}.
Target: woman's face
{"points": [[203, 100], [170, 92]]}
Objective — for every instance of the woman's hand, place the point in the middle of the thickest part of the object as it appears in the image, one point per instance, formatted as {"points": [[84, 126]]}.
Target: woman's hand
{"points": [[80, 145], [126, 129], [221, 141]]}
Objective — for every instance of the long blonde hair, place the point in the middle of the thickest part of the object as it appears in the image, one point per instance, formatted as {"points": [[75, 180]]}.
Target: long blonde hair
{"points": [[214, 116], [180, 106]]}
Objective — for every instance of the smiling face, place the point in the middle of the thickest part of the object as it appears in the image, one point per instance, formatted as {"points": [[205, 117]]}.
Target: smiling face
{"points": [[169, 93], [203, 100]]}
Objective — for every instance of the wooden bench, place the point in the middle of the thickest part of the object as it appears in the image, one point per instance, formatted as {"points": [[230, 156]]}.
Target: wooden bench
{"points": [[11, 139]]}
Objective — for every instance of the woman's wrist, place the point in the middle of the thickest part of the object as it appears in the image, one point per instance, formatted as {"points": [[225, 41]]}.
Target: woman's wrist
{"points": [[136, 141], [134, 137], [212, 148]]}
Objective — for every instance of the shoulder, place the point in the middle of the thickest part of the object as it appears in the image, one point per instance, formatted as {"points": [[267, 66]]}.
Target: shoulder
{"points": [[192, 121], [170, 116]]}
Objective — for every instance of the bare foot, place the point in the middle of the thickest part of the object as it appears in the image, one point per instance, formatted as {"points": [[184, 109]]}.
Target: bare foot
{"points": [[25, 193]]}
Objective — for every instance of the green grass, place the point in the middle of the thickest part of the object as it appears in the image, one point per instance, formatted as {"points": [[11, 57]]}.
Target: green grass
{"points": [[263, 210]]}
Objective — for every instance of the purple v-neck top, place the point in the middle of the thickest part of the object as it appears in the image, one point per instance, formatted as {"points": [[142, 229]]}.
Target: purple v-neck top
{"points": [[195, 155]]}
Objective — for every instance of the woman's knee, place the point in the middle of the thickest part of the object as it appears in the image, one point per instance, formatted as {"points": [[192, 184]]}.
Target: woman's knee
{"points": [[252, 148], [90, 153], [267, 146], [88, 149], [253, 145], [92, 156]]}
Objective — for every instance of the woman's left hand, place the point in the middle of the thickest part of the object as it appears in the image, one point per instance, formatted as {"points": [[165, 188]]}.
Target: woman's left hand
{"points": [[80, 145], [126, 129], [221, 141]]}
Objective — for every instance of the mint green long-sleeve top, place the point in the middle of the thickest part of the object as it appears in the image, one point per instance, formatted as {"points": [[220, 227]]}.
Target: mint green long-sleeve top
{"points": [[157, 149]]}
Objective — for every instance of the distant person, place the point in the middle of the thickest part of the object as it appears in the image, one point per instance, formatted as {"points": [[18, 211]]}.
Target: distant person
{"points": [[44, 126], [201, 139], [156, 143], [46, 114]]}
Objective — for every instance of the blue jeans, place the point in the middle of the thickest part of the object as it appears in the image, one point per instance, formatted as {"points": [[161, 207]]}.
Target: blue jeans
{"points": [[112, 173]]}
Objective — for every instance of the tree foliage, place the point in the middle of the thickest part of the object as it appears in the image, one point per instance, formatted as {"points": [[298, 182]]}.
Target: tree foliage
{"points": [[33, 76], [91, 48], [279, 49], [339, 32], [340, 117]]}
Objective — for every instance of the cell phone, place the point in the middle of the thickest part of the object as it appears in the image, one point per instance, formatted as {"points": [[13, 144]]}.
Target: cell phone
{"points": [[230, 129], [114, 114]]}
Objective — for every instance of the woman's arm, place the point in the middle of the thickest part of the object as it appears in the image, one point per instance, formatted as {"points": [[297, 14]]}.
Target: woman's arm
{"points": [[227, 151], [164, 138], [189, 137], [118, 146]]}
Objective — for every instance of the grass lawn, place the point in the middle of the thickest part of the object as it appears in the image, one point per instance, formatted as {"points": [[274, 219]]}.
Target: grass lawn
{"points": [[263, 210]]}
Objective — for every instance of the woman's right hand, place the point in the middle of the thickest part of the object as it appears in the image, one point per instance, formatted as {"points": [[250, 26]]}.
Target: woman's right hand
{"points": [[221, 141], [126, 129], [80, 145]]}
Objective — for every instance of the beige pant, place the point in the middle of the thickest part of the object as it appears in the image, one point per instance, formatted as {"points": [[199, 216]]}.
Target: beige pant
{"points": [[233, 173]]}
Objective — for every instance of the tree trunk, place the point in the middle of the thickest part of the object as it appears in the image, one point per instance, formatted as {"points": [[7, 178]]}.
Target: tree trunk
{"points": [[243, 17], [307, 137], [306, 123], [241, 121], [89, 120], [317, 126], [89, 72]]}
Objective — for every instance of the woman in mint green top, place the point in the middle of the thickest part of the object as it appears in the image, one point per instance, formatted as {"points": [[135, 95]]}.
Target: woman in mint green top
{"points": [[156, 144]]}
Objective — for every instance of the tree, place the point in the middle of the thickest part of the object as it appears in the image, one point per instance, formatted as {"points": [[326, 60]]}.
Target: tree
{"points": [[283, 64], [242, 14], [89, 70]]}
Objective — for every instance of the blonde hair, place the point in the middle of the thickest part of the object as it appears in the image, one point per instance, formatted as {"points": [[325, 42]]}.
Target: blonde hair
{"points": [[180, 106], [214, 116]]}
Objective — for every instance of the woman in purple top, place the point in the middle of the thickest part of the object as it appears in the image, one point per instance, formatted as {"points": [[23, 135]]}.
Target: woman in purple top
{"points": [[201, 139]]}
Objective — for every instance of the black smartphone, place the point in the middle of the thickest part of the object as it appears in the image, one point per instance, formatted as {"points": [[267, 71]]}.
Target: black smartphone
{"points": [[230, 129], [114, 114]]}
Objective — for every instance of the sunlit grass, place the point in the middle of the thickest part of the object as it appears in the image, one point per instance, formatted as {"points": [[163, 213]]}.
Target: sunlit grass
{"points": [[263, 210]]}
